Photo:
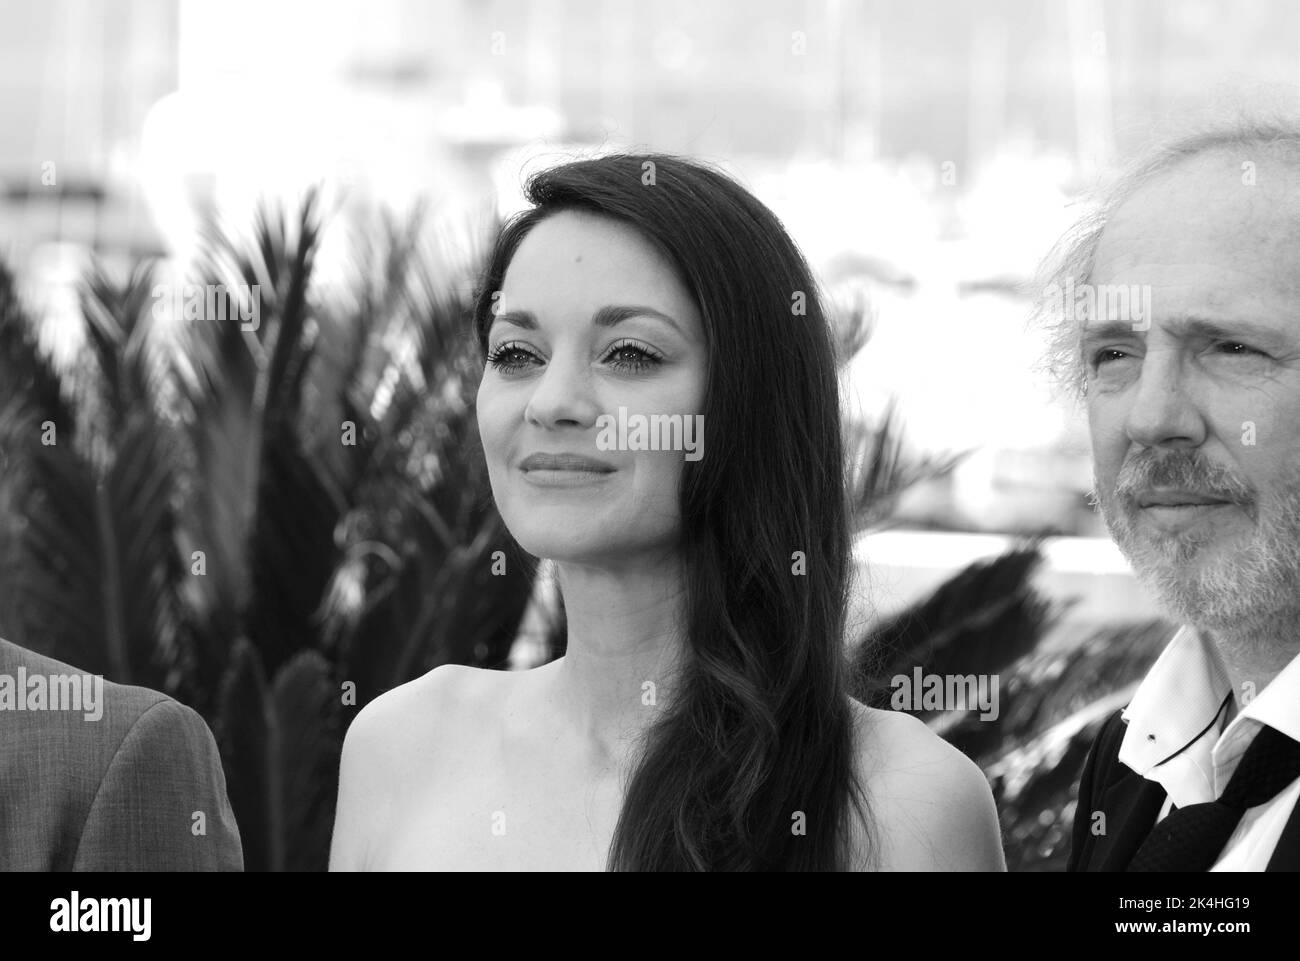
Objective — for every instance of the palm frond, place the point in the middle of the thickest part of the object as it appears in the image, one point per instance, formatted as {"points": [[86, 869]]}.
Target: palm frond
{"points": [[98, 568], [853, 321], [306, 708], [881, 469], [1058, 697], [977, 622], [26, 373], [264, 514], [420, 541], [245, 731]]}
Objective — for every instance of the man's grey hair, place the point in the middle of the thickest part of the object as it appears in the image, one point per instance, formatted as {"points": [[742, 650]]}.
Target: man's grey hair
{"points": [[1247, 133]]}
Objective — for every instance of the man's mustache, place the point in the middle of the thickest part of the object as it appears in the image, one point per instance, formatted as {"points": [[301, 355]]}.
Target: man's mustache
{"points": [[1181, 470]]}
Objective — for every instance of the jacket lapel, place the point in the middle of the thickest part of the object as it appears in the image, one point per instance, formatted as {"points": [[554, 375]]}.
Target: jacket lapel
{"points": [[1130, 805]]}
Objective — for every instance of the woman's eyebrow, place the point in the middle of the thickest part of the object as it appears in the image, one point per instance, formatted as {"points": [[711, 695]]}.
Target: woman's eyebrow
{"points": [[613, 314], [519, 318], [607, 316]]}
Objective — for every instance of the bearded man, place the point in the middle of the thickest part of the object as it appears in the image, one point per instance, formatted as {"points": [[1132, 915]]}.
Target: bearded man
{"points": [[1192, 391]]}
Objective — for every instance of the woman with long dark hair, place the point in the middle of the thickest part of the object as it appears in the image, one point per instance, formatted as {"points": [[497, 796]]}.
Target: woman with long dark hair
{"points": [[660, 415]]}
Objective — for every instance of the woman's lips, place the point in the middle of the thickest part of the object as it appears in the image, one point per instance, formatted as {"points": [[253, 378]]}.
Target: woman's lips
{"points": [[566, 478], [564, 470], [564, 462]]}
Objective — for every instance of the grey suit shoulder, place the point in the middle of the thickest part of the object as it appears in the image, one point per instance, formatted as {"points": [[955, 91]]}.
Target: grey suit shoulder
{"points": [[138, 788]]}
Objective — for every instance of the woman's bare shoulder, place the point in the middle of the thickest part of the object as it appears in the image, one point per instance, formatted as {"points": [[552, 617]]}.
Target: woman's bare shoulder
{"points": [[930, 806], [412, 710], [403, 732]]}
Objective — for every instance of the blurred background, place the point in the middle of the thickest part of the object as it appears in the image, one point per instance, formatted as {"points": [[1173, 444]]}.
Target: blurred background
{"points": [[223, 540]]}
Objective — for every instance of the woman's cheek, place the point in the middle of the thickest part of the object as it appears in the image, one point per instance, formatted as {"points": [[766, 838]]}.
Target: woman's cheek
{"points": [[493, 423]]}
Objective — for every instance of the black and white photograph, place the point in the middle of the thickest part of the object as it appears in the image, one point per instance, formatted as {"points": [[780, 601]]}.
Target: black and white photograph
{"points": [[500, 436]]}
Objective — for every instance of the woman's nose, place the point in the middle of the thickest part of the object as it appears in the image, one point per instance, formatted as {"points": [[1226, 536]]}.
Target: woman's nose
{"points": [[563, 395]]}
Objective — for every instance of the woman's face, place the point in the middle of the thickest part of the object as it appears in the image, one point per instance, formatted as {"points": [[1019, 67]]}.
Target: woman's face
{"points": [[591, 318]]}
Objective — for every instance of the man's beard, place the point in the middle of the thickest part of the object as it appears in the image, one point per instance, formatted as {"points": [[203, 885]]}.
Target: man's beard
{"points": [[1228, 590]]}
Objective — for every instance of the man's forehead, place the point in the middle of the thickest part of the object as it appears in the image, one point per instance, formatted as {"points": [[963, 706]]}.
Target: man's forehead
{"points": [[1206, 224]]}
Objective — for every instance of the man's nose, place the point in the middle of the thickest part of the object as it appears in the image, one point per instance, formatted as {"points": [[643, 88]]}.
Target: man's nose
{"points": [[1164, 411], [563, 395]]}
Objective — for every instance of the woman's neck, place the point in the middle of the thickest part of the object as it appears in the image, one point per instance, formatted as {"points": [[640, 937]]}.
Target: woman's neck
{"points": [[624, 643]]}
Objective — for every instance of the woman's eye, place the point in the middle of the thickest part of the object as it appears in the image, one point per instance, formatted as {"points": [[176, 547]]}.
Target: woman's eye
{"points": [[510, 357], [627, 357], [632, 357]]}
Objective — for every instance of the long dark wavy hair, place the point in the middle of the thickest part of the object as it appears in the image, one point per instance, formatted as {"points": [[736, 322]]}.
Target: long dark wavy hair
{"points": [[751, 767]]}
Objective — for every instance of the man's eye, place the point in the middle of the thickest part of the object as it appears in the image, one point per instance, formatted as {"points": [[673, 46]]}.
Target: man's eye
{"points": [[1107, 354], [1234, 347]]}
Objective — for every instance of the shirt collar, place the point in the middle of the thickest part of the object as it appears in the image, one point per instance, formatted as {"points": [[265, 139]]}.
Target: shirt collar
{"points": [[1175, 733], [1173, 719], [1277, 705]]}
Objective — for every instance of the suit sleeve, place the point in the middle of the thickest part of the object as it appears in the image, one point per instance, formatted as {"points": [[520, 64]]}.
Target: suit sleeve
{"points": [[162, 804]]}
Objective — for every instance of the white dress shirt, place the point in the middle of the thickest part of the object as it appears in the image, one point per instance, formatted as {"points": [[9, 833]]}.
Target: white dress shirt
{"points": [[1173, 712]]}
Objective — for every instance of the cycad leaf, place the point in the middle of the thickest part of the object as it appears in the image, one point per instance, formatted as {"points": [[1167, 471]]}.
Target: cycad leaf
{"points": [[977, 622], [280, 747], [291, 553], [309, 741], [882, 469], [57, 576], [419, 540], [263, 513], [246, 731], [1060, 695], [99, 564]]}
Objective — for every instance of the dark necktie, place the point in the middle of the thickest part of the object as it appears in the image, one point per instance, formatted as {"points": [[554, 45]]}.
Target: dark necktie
{"points": [[1191, 838]]}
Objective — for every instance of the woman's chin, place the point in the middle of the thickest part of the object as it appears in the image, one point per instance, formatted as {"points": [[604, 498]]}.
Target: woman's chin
{"points": [[590, 546], [567, 546]]}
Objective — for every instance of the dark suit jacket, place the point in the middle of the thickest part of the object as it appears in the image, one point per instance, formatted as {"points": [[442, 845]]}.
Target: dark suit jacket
{"points": [[1131, 804], [114, 794]]}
